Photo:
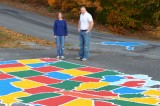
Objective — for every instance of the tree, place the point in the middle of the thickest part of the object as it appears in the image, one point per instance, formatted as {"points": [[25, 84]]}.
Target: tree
{"points": [[128, 14]]}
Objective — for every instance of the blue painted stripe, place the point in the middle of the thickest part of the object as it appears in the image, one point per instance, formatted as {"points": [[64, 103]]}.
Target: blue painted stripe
{"points": [[37, 65], [126, 90], [8, 62]]}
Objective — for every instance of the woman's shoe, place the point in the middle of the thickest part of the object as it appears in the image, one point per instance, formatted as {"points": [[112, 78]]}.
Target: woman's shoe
{"points": [[58, 57], [77, 58]]}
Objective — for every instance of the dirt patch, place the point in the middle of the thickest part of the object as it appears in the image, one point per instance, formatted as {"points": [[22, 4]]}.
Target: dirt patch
{"points": [[11, 39], [155, 31]]}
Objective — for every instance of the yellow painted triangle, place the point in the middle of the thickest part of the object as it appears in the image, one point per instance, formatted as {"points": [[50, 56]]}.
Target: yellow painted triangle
{"points": [[80, 101]]}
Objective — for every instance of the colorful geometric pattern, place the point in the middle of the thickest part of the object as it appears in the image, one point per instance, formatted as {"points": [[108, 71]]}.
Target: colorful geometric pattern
{"points": [[51, 82]]}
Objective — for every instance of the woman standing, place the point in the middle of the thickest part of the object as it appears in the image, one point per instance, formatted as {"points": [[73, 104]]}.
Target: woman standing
{"points": [[60, 32]]}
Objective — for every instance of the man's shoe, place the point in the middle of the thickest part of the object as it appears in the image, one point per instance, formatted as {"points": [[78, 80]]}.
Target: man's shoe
{"points": [[58, 57], [84, 59], [62, 57], [77, 58]]}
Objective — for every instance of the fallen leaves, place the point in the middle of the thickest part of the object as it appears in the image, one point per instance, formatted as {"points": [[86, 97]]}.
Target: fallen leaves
{"points": [[11, 39]]}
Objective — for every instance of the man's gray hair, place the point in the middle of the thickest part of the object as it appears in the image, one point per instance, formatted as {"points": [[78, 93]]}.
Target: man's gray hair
{"points": [[83, 7]]}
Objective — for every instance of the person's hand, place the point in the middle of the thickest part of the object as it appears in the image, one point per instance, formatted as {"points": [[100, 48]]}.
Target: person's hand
{"points": [[55, 36], [87, 31], [79, 30], [66, 36]]}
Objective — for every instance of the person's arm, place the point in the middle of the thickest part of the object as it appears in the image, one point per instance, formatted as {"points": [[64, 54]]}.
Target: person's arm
{"points": [[66, 29], [55, 28], [79, 25], [91, 23]]}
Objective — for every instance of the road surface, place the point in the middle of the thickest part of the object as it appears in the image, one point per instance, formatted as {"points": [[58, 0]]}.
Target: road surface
{"points": [[143, 60]]}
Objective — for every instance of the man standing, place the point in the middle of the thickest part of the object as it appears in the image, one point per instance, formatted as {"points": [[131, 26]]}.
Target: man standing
{"points": [[85, 26]]}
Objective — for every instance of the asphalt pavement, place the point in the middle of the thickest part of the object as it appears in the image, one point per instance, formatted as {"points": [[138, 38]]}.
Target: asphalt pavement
{"points": [[142, 60]]}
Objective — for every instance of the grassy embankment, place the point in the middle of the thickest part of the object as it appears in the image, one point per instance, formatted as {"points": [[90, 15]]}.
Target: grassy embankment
{"points": [[11, 39]]}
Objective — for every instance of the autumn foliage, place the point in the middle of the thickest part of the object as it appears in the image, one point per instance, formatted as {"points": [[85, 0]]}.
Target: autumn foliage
{"points": [[130, 14], [35, 2], [125, 14]]}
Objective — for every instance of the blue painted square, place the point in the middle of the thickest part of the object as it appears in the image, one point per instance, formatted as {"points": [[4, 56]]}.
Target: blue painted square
{"points": [[59, 75], [126, 90], [8, 62], [112, 78], [37, 65]]}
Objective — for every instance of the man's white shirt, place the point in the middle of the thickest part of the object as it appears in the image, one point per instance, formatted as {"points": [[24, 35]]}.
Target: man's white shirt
{"points": [[85, 20]]}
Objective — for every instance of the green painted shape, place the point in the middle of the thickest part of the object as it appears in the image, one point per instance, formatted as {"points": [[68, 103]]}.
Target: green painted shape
{"points": [[36, 97], [132, 95], [66, 65], [107, 88], [104, 73], [28, 73], [67, 85], [127, 103]]}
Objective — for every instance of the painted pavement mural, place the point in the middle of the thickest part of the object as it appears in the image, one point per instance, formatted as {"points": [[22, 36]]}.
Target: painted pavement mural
{"points": [[127, 45], [51, 82]]}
